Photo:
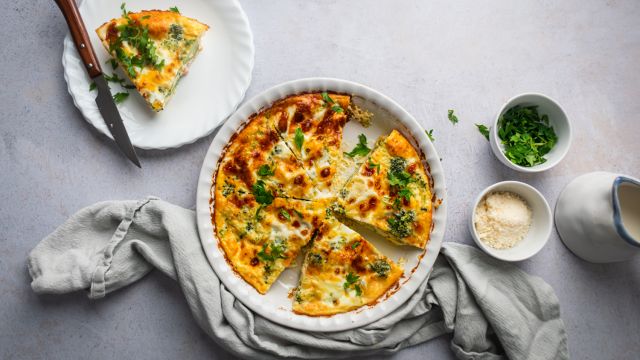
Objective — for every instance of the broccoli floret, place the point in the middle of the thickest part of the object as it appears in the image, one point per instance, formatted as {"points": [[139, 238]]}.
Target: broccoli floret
{"points": [[380, 267], [401, 223]]}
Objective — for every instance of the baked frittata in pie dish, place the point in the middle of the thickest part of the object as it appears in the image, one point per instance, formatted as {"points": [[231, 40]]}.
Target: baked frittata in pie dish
{"points": [[284, 187]]}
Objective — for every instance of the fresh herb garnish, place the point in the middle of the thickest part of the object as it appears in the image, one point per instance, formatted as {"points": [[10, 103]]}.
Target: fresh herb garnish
{"points": [[430, 134], [174, 9], [120, 97], [298, 138], [276, 251], [352, 280], [113, 62], [262, 195], [380, 267], [285, 214], [361, 148], [526, 135], [483, 130], [137, 37], [373, 165], [355, 245], [92, 86], [452, 117], [328, 100], [401, 223], [228, 189], [265, 170]]}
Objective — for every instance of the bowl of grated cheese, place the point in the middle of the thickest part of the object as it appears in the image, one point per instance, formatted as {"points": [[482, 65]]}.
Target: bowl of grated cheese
{"points": [[510, 221]]}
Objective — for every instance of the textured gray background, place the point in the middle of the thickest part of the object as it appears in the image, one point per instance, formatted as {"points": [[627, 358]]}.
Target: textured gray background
{"points": [[430, 56]]}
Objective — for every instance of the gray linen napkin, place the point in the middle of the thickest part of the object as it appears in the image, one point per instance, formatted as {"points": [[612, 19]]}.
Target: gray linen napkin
{"points": [[493, 309]]}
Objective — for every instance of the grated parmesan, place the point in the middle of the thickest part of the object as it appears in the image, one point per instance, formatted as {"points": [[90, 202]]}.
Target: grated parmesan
{"points": [[502, 219]]}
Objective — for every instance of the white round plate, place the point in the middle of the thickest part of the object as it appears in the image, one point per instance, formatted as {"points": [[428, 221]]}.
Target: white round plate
{"points": [[217, 80], [275, 305]]}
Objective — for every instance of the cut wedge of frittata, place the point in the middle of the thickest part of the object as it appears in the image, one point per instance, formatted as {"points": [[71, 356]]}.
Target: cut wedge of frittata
{"points": [[311, 125], [263, 245], [390, 193], [342, 271], [154, 48]]}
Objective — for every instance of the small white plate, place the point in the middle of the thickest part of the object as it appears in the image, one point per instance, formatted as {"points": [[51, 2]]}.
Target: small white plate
{"points": [[215, 85], [275, 305], [539, 231]]}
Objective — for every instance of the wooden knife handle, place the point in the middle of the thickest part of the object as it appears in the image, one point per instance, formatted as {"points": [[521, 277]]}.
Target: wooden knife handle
{"points": [[80, 36]]}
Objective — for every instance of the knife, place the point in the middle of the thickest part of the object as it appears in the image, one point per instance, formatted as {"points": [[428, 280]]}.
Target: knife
{"points": [[104, 100]]}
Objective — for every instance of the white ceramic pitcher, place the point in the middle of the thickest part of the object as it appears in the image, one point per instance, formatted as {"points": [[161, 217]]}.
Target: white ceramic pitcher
{"points": [[598, 217]]}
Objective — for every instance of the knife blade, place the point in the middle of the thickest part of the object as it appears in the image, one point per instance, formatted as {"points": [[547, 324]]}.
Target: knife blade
{"points": [[104, 100]]}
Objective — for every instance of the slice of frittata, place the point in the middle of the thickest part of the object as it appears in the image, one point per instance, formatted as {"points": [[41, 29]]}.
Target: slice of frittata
{"points": [[154, 48]]}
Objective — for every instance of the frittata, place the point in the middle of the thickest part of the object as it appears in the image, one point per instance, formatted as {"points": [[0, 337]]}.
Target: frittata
{"points": [[154, 48], [283, 181]]}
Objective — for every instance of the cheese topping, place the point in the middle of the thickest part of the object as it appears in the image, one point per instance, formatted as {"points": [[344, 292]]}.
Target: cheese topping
{"points": [[502, 219]]}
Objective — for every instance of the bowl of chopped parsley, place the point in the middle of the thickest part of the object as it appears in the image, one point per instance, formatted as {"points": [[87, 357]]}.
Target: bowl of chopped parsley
{"points": [[531, 133]]}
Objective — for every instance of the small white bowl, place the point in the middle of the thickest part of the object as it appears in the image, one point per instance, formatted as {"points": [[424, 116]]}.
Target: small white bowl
{"points": [[557, 119], [539, 231]]}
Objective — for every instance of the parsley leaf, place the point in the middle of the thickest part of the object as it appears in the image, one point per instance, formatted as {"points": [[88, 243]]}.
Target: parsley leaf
{"points": [[299, 138], [92, 86], [483, 130], [123, 7], [262, 195], [276, 251], [361, 148], [373, 165], [285, 214], [120, 97], [430, 135], [113, 62], [352, 280], [174, 9], [452, 117], [328, 100], [265, 170], [526, 135], [355, 245]]}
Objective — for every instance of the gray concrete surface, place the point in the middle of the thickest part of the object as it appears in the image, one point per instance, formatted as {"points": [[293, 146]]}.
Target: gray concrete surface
{"points": [[430, 56]]}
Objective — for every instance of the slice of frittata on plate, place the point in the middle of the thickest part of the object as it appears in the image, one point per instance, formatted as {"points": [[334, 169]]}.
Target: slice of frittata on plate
{"points": [[341, 272], [390, 193], [154, 48]]}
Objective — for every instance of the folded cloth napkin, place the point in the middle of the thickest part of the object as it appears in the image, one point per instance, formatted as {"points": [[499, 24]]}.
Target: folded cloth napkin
{"points": [[493, 309]]}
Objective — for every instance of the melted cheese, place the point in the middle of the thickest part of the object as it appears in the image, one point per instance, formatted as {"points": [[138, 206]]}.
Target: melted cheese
{"points": [[177, 41]]}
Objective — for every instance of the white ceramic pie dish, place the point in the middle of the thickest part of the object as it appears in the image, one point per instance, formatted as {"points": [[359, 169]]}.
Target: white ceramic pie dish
{"points": [[215, 85], [275, 305]]}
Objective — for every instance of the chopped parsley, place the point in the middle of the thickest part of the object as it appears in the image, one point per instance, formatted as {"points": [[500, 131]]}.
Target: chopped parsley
{"points": [[430, 135], [526, 135], [452, 117], [373, 165], [137, 37], [298, 138], [114, 78], [483, 130], [381, 267], [113, 62], [328, 101], [262, 195], [352, 280], [285, 214], [361, 148], [174, 9], [92, 86], [401, 223], [355, 245], [276, 251], [266, 170], [120, 97]]}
